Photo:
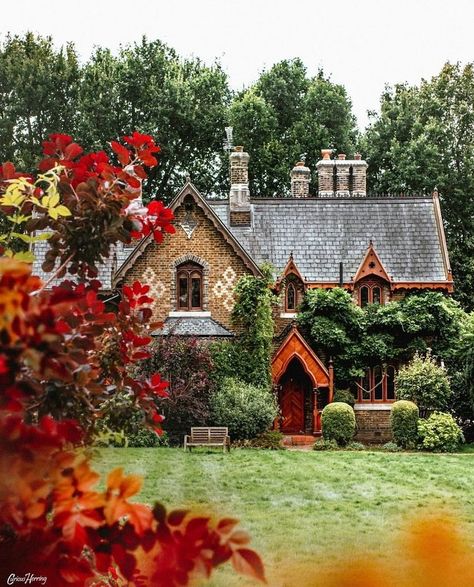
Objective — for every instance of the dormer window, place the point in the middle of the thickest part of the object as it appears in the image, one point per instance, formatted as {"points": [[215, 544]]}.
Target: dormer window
{"points": [[370, 293], [290, 297], [189, 287]]}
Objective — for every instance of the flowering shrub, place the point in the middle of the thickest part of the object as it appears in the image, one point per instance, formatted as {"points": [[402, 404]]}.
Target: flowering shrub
{"points": [[439, 432], [63, 354]]}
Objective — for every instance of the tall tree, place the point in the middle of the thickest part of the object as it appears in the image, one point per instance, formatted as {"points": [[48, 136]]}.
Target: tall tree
{"points": [[38, 95], [286, 115], [181, 102], [422, 138]]}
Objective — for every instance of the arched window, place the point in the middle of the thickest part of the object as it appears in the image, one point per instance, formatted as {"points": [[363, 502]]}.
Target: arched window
{"points": [[290, 297], [370, 294], [378, 384], [390, 383], [189, 287], [376, 295], [364, 296]]}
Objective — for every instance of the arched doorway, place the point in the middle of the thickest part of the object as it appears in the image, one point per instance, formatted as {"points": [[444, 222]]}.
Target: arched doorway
{"points": [[295, 399]]}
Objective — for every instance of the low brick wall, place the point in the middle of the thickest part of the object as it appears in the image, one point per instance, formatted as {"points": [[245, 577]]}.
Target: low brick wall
{"points": [[373, 425]]}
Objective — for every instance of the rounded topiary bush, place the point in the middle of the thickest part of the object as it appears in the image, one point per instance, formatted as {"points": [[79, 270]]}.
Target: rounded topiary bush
{"points": [[440, 433], [338, 423], [404, 422], [245, 409]]}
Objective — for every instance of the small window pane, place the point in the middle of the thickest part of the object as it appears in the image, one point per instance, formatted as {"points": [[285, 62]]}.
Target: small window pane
{"points": [[376, 295], [195, 292], [365, 382], [290, 297], [364, 296], [378, 384], [183, 292], [391, 383]]}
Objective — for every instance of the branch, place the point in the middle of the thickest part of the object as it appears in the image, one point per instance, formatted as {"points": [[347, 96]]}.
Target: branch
{"points": [[54, 275]]}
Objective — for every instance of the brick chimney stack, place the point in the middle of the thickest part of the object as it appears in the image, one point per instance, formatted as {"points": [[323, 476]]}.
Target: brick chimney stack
{"points": [[239, 196], [300, 178], [341, 177]]}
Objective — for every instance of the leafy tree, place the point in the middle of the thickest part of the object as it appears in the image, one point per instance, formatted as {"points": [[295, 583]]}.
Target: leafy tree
{"points": [[180, 101], [39, 88], [287, 114], [425, 383], [422, 138]]}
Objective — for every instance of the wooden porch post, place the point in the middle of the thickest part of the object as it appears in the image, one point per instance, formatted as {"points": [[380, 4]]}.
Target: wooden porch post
{"points": [[331, 380], [315, 410]]}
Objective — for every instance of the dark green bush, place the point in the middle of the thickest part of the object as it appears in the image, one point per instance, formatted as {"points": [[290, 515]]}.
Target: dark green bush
{"points": [[439, 433], [147, 438], [345, 396], [323, 444], [270, 440], [338, 423], [404, 422], [245, 409]]}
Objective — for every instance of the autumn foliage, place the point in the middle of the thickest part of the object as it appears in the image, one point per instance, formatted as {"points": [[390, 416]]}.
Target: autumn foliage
{"points": [[63, 353]]}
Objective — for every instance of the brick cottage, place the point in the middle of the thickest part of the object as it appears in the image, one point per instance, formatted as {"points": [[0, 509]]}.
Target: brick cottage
{"points": [[375, 247]]}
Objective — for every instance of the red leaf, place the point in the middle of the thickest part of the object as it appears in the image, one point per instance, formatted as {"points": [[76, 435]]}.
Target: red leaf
{"points": [[122, 153], [247, 562], [8, 170], [73, 150]]}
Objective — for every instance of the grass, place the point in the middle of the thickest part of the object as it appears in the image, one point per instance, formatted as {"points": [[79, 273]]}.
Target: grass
{"points": [[305, 508]]}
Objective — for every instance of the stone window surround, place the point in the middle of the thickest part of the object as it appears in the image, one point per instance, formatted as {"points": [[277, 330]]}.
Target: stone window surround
{"points": [[189, 258]]}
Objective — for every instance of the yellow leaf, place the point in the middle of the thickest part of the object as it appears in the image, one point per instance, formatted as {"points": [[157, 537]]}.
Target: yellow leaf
{"points": [[62, 211], [53, 213], [45, 201], [53, 199], [26, 256]]}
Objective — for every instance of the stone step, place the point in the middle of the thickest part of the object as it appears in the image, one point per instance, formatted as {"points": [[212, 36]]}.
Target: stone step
{"points": [[298, 440]]}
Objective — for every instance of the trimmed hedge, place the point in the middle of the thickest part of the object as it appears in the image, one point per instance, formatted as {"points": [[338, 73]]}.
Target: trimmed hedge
{"points": [[344, 396], [338, 423], [404, 422], [440, 433]]}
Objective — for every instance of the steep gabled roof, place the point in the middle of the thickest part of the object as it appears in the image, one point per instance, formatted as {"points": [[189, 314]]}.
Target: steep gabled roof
{"points": [[371, 266], [190, 190], [324, 232]]}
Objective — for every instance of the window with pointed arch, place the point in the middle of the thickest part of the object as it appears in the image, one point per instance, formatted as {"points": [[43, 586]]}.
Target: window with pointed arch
{"points": [[370, 293], [377, 385], [189, 287], [290, 302]]}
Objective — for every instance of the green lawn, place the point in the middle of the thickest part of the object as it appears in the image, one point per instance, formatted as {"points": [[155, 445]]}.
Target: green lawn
{"points": [[305, 507]]}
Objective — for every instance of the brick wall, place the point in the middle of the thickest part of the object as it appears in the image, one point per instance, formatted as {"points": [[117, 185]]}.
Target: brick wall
{"points": [[373, 426], [222, 267]]}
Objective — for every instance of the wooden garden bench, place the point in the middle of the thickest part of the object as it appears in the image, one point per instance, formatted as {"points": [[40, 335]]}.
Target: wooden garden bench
{"points": [[208, 436]]}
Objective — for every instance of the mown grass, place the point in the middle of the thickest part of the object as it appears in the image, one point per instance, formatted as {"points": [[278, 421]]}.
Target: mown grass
{"points": [[305, 508]]}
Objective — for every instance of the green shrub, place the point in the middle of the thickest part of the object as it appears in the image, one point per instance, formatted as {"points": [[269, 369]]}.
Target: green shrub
{"points": [[391, 447], [424, 382], [245, 409], [345, 396], [439, 433], [270, 440], [355, 446], [338, 423], [145, 437], [324, 444], [404, 422]]}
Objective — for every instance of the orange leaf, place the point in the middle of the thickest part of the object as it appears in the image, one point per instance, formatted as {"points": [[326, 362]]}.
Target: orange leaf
{"points": [[247, 562]]}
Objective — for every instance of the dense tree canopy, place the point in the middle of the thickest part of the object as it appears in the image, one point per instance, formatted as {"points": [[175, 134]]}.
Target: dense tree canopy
{"points": [[424, 138], [286, 115]]}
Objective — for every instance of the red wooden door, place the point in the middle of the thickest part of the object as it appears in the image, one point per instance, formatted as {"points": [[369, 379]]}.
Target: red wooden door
{"points": [[292, 407]]}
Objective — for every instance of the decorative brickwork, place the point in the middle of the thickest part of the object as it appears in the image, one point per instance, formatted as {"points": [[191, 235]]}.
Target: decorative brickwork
{"points": [[221, 267], [300, 178]]}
